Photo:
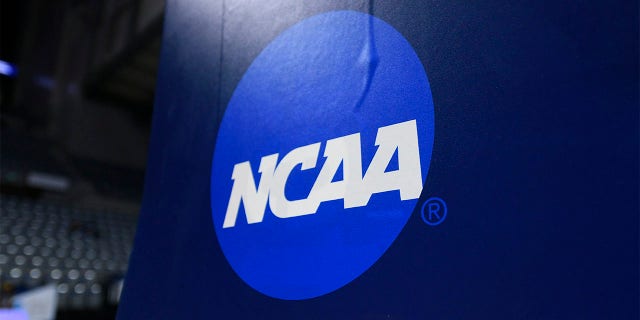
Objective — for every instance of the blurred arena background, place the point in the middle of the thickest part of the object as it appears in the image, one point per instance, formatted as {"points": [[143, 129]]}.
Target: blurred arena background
{"points": [[77, 82]]}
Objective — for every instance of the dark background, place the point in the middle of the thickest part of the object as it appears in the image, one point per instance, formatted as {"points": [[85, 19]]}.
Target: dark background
{"points": [[76, 109], [536, 155]]}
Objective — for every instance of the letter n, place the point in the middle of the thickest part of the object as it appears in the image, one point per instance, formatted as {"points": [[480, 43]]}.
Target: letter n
{"points": [[244, 190]]}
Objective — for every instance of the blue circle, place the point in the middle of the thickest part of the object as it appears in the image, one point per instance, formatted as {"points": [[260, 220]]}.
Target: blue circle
{"points": [[329, 76], [443, 212]]}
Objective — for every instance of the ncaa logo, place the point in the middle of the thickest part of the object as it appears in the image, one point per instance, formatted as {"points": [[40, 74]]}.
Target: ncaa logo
{"points": [[321, 155]]}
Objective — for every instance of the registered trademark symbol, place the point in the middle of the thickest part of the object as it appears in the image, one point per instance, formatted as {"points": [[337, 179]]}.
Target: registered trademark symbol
{"points": [[434, 211]]}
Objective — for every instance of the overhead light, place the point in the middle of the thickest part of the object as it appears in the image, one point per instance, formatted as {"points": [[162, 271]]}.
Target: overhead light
{"points": [[8, 69]]}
